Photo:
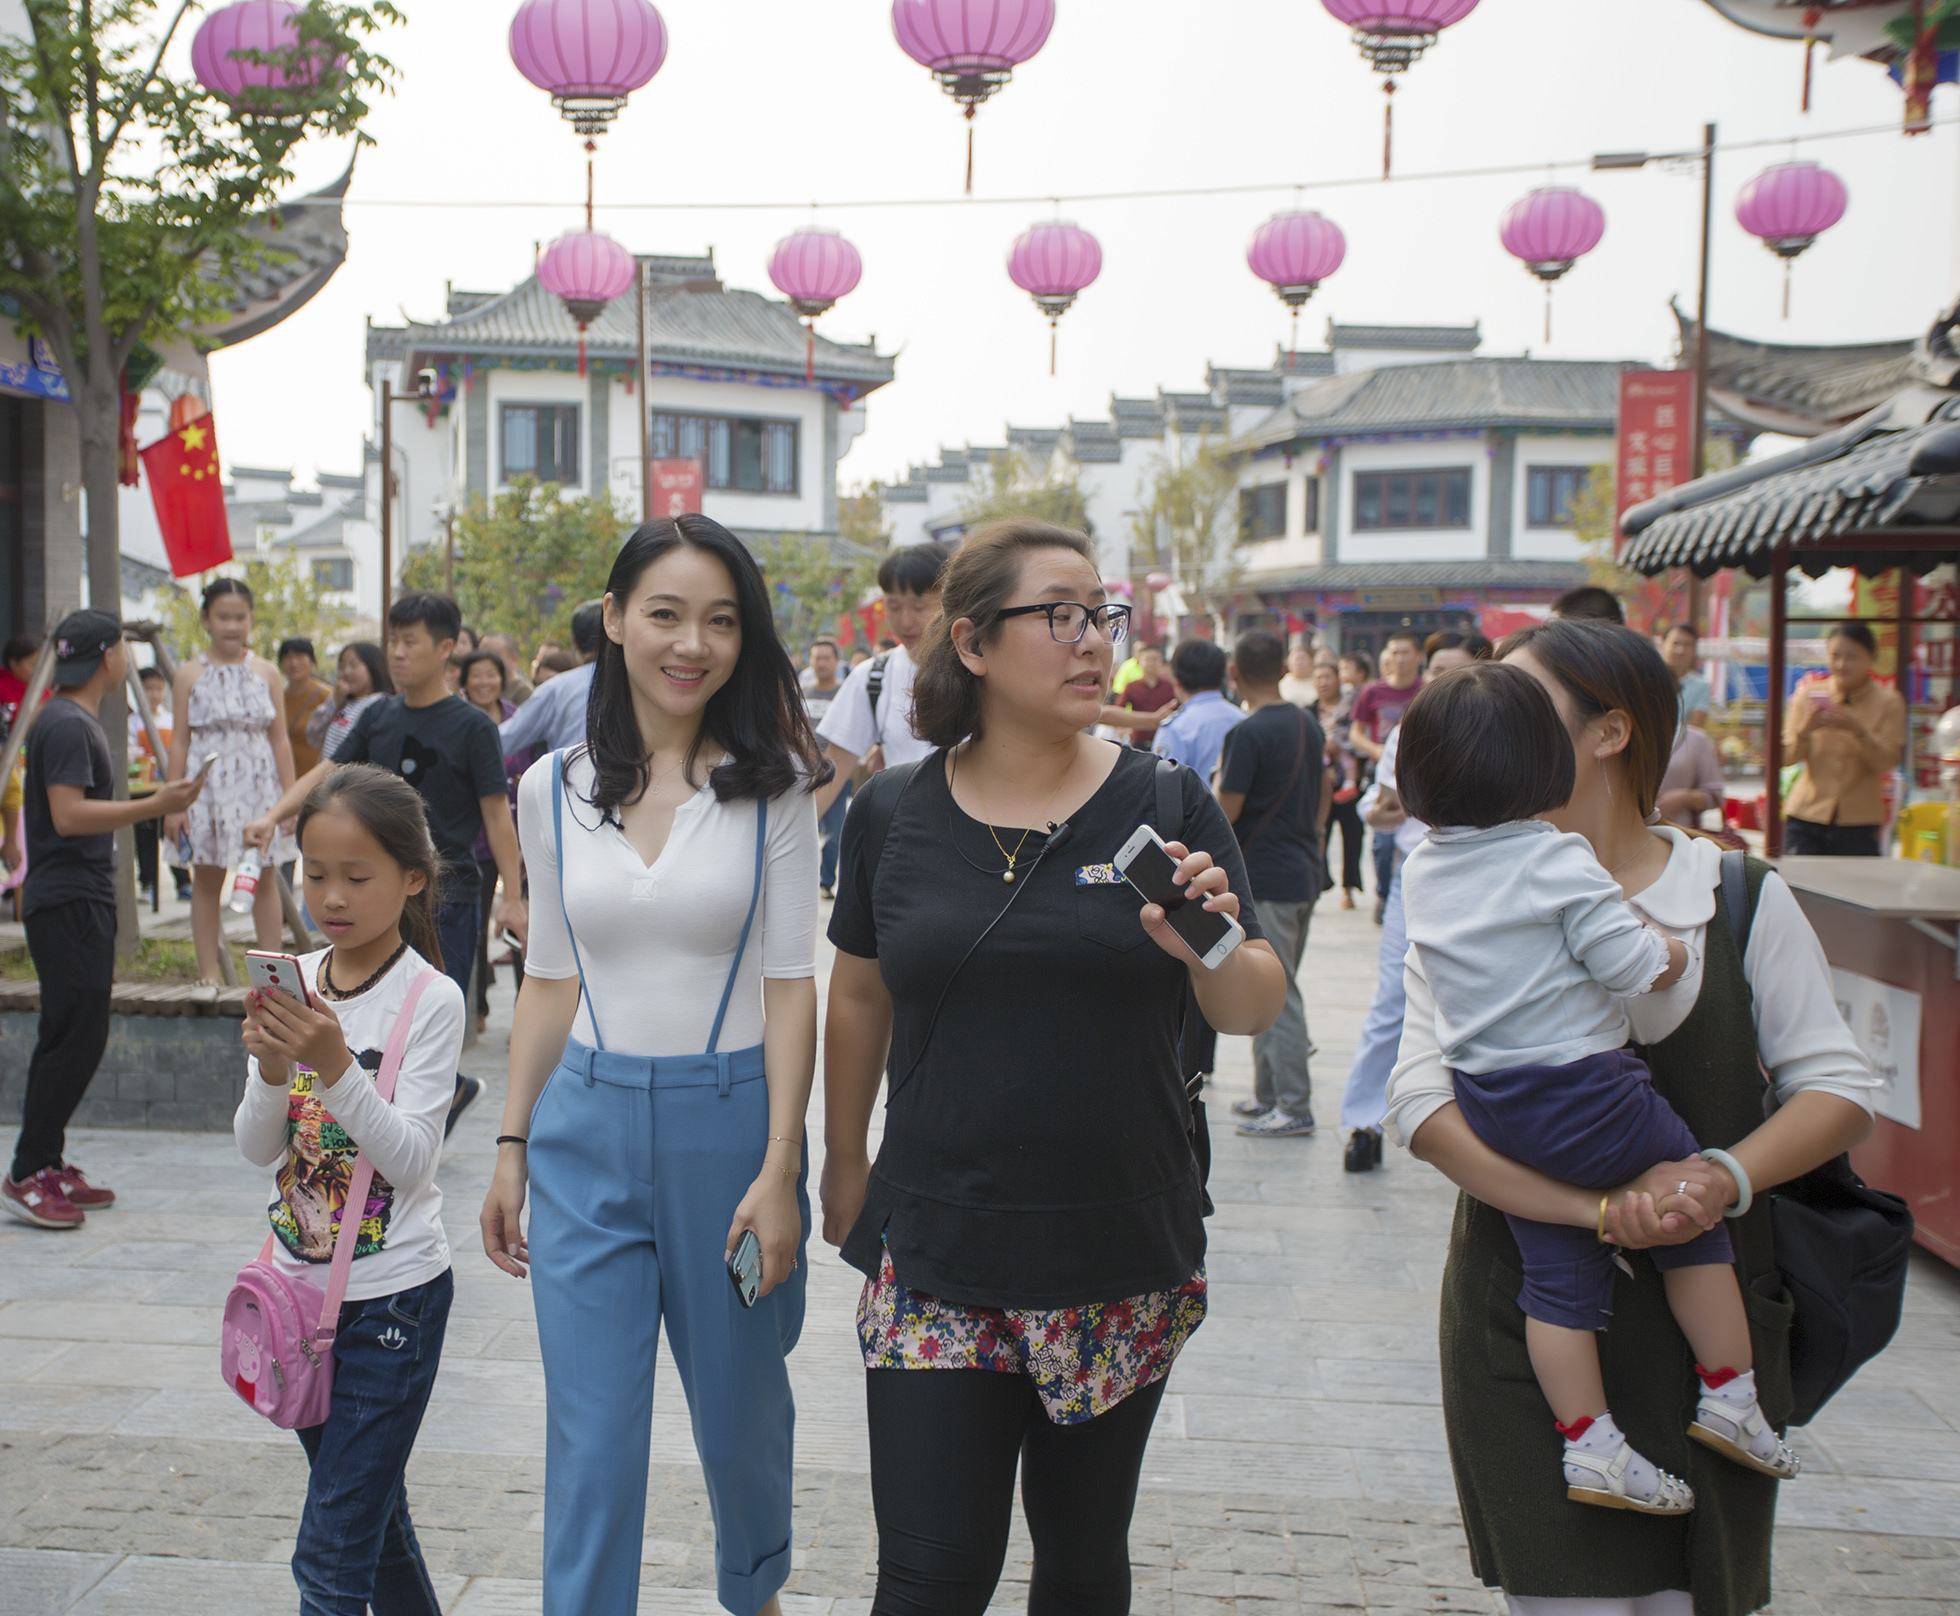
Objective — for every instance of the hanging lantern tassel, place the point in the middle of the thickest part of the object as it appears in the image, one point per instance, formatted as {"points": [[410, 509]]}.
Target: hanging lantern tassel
{"points": [[809, 350], [1787, 265], [1548, 314], [1054, 333], [970, 110], [1292, 353], [1388, 124], [1810, 17], [581, 348]]}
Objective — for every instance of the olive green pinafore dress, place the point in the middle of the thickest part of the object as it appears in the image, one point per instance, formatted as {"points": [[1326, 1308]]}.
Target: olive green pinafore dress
{"points": [[1525, 1536]]}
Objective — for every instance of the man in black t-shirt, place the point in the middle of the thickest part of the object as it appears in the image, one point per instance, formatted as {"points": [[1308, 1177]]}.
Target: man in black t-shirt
{"points": [[450, 753], [69, 905], [1271, 786]]}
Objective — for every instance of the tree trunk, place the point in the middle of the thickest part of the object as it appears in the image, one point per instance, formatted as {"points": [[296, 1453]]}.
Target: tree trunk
{"points": [[100, 411]]}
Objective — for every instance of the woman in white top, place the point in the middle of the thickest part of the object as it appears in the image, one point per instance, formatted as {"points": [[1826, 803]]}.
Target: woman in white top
{"points": [[660, 1067], [1703, 1039]]}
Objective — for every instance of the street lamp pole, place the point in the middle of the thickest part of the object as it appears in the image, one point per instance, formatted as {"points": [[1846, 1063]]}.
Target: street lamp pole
{"points": [[643, 386], [1698, 449], [387, 499]]}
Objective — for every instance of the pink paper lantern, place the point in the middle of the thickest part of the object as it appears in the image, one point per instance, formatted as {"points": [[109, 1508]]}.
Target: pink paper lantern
{"points": [[813, 268], [590, 55], [1392, 34], [1052, 263], [971, 46], [1789, 206], [585, 271], [1293, 253], [1549, 230], [257, 89]]}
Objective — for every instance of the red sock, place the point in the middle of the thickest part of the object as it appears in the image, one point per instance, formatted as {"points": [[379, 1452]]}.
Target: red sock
{"points": [[1576, 1429], [1716, 1379]]}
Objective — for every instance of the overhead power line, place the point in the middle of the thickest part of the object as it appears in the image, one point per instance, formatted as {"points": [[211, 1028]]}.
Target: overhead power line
{"points": [[1143, 194]]}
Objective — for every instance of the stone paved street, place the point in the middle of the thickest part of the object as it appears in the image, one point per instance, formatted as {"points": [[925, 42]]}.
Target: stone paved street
{"points": [[1297, 1467]]}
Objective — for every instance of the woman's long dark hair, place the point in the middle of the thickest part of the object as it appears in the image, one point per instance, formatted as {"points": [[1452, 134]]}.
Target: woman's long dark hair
{"points": [[370, 656], [390, 810], [757, 717]]}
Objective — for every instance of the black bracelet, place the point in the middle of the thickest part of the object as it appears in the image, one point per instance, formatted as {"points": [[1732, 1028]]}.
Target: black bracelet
{"points": [[511, 1139]]}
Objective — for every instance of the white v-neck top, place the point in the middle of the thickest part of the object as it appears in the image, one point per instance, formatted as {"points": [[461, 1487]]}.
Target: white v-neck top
{"points": [[657, 939]]}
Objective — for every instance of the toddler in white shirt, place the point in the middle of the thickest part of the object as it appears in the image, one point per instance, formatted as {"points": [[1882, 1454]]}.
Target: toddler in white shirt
{"points": [[1528, 948]]}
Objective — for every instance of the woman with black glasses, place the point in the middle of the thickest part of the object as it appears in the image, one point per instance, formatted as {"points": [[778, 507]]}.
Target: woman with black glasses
{"points": [[1032, 1231]]}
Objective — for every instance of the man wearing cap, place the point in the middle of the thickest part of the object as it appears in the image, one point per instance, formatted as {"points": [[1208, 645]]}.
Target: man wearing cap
{"points": [[69, 905]]}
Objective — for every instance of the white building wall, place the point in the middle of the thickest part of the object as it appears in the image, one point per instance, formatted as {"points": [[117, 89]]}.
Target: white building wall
{"points": [[801, 512], [908, 519], [1550, 543], [1417, 544], [426, 463]]}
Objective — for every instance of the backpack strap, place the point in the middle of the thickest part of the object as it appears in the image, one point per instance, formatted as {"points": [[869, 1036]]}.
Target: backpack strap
{"points": [[561, 786], [355, 1205], [1170, 800], [880, 798], [1737, 896], [874, 687]]}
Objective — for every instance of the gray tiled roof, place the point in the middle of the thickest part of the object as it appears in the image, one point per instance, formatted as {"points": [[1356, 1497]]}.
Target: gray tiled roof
{"points": [[1474, 574], [907, 493], [957, 472], [1303, 362], [1244, 386], [1442, 338], [330, 532], [1786, 387], [1093, 442], [305, 242], [1137, 417], [1192, 412], [1554, 395], [1034, 439], [713, 327]]}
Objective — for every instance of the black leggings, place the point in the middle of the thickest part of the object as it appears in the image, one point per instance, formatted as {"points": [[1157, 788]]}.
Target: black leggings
{"points": [[944, 1445], [1347, 816]]}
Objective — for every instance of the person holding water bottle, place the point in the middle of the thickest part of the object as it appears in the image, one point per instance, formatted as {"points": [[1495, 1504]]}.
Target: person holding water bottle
{"points": [[314, 1113], [229, 705]]}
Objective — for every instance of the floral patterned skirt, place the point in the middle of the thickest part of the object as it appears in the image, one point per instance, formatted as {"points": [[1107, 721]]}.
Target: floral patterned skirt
{"points": [[1083, 1360]]}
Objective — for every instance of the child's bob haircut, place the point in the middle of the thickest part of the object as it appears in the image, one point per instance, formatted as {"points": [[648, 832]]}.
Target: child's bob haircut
{"points": [[1483, 746]]}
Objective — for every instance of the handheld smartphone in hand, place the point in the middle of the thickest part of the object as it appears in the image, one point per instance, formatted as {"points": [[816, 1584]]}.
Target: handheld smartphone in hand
{"points": [[745, 1268], [267, 970], [1151, 870], [204, 767]]}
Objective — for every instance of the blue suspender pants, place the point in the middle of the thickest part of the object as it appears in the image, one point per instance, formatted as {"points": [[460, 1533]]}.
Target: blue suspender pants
{"points": [[637, 1164]]}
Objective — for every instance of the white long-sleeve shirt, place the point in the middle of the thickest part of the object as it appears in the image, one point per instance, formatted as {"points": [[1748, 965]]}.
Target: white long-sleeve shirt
{"points": [[311, 1134], [1802, 1040], [1409, 834], [657, 939], [1526, 944]]}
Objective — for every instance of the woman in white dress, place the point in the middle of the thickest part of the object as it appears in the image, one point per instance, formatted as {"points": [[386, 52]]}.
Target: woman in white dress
{"points": [[229, 702]]}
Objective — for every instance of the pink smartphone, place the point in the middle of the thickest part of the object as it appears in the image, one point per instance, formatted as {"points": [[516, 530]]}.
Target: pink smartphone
{"points": [[281, 971]]}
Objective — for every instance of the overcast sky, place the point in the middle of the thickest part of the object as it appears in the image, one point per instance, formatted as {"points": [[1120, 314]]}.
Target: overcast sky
{"points": [[788, 100]]}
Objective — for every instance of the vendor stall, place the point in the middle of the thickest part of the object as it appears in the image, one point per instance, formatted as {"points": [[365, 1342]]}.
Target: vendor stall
{"points": [[1881, 496]]}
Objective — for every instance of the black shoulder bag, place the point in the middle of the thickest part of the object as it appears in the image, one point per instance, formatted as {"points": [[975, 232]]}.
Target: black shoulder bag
{"points": [[1840, 1244]]}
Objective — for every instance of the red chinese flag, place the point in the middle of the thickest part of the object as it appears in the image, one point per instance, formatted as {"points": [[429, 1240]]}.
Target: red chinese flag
{"points": [[189, 493]]}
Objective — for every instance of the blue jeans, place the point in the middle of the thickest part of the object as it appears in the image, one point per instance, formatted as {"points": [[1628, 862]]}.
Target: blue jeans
{"points": [[1382, 847], [830, 828], [356, 1547], [1365, 1101]]}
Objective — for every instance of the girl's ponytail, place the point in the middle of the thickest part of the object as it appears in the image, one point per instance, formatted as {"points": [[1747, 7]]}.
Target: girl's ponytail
{"points": [[389, 809]]}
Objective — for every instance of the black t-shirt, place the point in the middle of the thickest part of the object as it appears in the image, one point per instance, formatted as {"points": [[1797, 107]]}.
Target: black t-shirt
{"points": [[66, 747], [1040, 1154], [450, 753], [1278, 828]]}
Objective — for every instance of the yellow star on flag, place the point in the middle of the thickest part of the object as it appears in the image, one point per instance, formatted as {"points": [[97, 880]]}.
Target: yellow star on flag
{"points": [[194, 436]]}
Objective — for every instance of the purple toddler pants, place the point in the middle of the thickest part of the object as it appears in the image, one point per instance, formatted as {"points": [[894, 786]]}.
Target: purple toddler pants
{"points": [[1595, 1122]]}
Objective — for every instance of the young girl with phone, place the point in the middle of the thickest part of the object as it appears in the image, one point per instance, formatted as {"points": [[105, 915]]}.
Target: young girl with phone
{"points": [[1529, 949], [310, 1109]]}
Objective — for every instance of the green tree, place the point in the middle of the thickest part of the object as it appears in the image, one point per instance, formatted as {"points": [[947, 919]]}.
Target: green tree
{"points": [[1013, 485], [1648, 602], [127, 195], [1188, 525], [810, 581], [861, 519], [285, 603], [527, 560]]}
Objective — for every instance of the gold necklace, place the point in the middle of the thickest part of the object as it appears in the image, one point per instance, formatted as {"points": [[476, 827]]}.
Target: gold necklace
{"points": [[1007, 875]]}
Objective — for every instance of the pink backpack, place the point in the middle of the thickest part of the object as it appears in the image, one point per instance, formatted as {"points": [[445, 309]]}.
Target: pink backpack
{"points": [[275, 1346]]}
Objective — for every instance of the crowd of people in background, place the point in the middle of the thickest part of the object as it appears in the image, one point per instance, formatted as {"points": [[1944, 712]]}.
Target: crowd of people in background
{"points": [[686, 795]]}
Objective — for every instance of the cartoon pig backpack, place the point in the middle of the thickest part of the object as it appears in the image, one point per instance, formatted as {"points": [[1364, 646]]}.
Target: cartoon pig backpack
{"points": [[275, 1346]]}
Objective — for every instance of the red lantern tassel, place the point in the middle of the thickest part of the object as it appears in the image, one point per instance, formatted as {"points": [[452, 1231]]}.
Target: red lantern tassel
{"points": [[581, 351], [1388, 124], [810, 351], [969, 149], [1809, 50]]}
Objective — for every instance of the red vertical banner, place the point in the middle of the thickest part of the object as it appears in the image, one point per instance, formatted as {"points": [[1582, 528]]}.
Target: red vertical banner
{"points": [[677, 487], [1656, 438], [187, 488]]}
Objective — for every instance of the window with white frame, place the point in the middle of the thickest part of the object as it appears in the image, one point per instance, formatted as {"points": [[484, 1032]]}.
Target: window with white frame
{"points": [[541, 441], [1429, 498], [333, 573], [744, 454], [1549, 492]]}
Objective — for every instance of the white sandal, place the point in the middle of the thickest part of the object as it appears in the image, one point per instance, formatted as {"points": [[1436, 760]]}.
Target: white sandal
{"points": [[1735, 1435], [1672, 1496]]}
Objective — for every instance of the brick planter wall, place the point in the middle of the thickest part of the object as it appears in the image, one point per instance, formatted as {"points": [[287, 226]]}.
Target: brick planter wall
{"points": [[173, 1060]]}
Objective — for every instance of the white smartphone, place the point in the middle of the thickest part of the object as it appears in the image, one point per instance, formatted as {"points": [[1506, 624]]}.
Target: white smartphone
{"points": [[281, 971], [204, 768], [1145, 864]]}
